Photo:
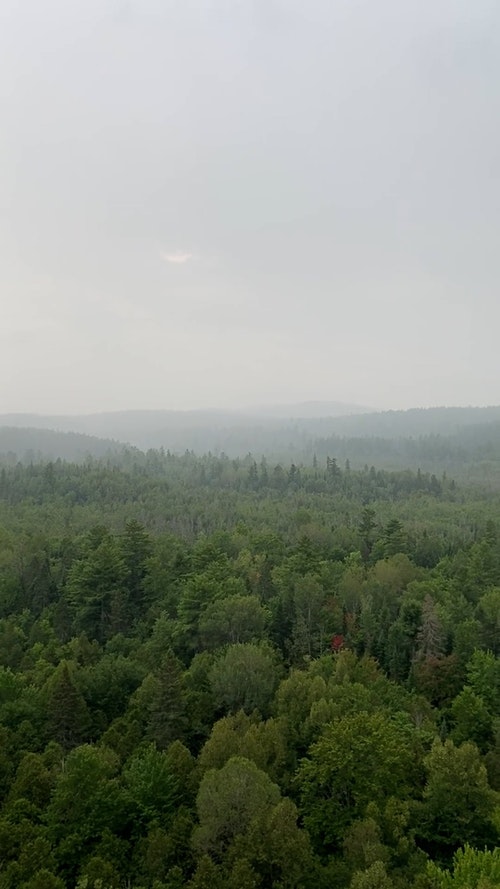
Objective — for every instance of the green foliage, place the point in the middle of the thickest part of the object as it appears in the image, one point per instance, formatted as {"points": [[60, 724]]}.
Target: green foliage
{"points": [[96, 588], [242, 735], [374, 877], [483, 674], [150, 786], [472, 869], [33, 781], [86, 801], [458, 802], [245, 677], [43, 879], [227, 802], [191, 648], [68, 719], [360, 759], [471, 720], [233, 620]]}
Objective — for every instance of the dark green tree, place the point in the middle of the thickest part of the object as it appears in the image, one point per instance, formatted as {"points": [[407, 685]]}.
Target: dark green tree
{"points": [[96, 589], [360, 758], [68, 718], [458, 801]]}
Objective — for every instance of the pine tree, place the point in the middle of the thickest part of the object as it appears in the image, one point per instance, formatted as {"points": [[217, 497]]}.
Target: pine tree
{"points": [[168, 720], [68, 718]]}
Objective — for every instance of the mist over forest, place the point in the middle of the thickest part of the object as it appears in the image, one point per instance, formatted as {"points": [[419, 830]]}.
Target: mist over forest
{"points": [[464, 441]]}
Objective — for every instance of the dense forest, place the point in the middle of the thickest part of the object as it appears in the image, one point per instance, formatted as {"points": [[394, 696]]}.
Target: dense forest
{"points": [[236, 672]]}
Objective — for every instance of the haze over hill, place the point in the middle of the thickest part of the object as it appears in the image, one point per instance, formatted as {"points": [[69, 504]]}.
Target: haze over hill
{"points": [[235, 432], [126, 424], [153, 427], [464, 441], [308, 409], [27, 444]]}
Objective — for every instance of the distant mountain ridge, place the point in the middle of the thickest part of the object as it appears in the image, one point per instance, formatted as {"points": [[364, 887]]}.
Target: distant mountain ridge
{"points": [[308, 410], [415, 421], [357, 436], [92, 422], [196, 429], [26, 444], [343, 418]]}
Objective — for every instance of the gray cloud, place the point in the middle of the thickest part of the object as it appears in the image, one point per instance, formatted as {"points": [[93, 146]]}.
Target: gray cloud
{"points": [[215, 202]]}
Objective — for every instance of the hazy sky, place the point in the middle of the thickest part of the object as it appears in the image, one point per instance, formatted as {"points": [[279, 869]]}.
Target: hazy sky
{"points": [[227, 202]]}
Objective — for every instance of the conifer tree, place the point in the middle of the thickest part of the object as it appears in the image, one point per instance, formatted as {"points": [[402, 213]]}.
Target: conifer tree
{"points": [[68, 718]]}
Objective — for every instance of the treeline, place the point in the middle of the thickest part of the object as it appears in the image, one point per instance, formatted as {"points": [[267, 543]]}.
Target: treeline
{"points": [[41, 479], [31, 445], [471, 454], [187, 495], [307, 702], [464, 442]]}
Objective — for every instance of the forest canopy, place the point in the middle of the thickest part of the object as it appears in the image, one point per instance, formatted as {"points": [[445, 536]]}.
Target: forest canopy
{"points": [[238, 672]]}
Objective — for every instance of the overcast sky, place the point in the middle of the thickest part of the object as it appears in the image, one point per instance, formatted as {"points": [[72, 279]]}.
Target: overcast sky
{"points": [[227, 202]]}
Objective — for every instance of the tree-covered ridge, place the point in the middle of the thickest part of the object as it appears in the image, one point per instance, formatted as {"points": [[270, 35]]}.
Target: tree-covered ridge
{"points": [[30, 445], [465, 442], [221, 672]]}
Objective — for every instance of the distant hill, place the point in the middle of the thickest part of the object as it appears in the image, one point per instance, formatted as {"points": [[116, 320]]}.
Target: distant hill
{"points": [[200, 430], [434, 438], [120, 423], [415, 422], [27, 445], [308, 410]]}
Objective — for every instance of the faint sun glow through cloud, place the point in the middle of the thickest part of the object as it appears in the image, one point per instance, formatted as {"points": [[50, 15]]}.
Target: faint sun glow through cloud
{"points": [[178, 257]]}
